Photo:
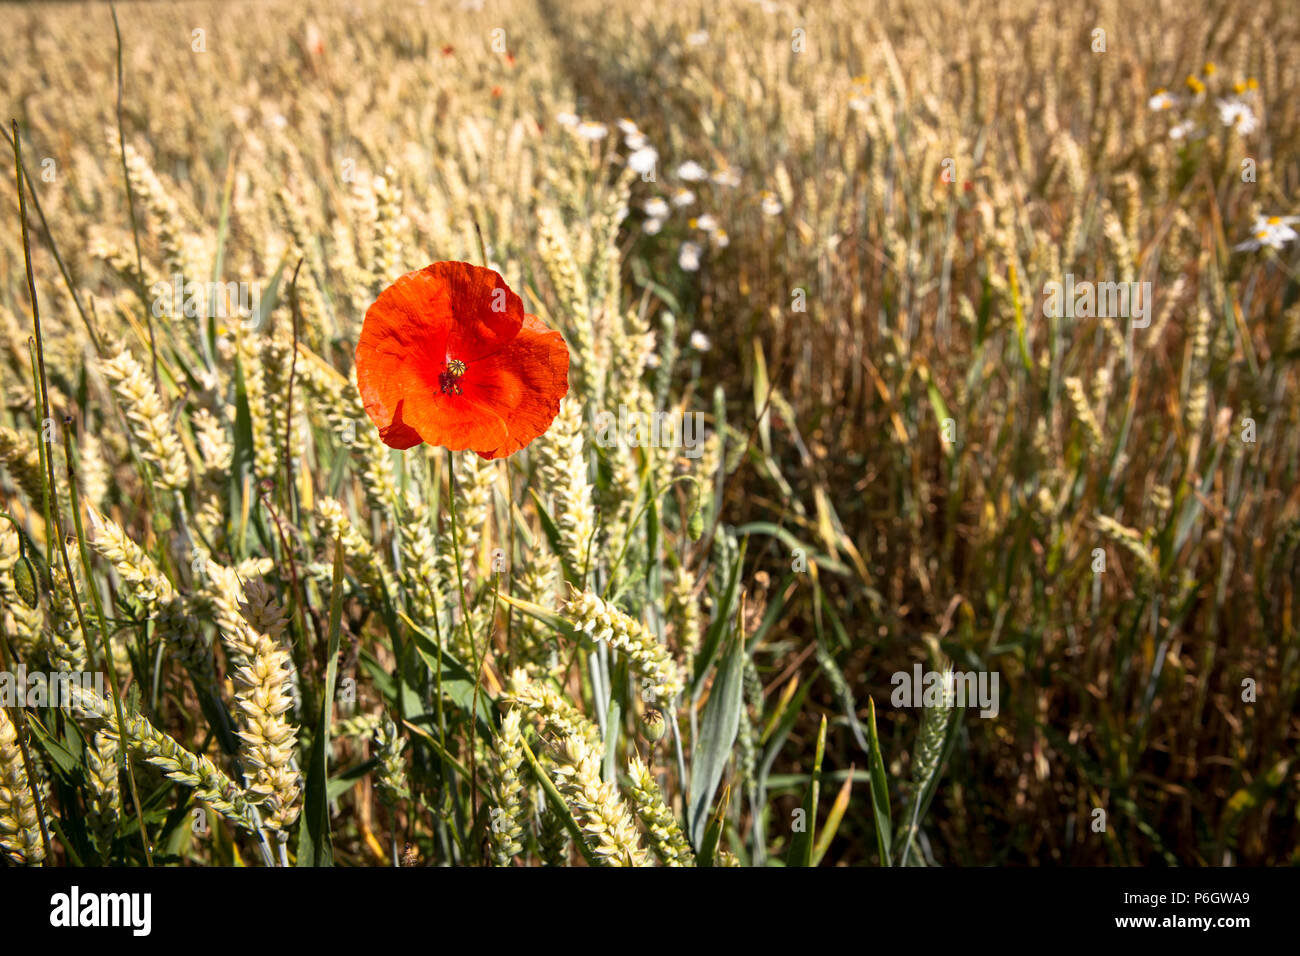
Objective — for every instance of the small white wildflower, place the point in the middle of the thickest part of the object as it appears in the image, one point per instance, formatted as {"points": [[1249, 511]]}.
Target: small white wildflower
{"points": [[634, 141], [692, 172], [655, 208], [683, 197], [569, 120], [643, 160], [652, 360], [688, 259], [652, 226], [1162, 100], [1233, 112], [771, 205], [627, 127], [592, 131], [859, 104], [1271, 231], [721, 239], [1182, 130], [707, 223], [700, 342]]}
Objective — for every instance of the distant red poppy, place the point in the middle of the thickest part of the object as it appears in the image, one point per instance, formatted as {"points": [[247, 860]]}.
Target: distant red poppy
{"points": [[496, 92], [448, 50], [448, 356]]}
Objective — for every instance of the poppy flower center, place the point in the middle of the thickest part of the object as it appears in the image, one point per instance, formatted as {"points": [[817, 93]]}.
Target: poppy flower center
{"points": [[449, 377]]}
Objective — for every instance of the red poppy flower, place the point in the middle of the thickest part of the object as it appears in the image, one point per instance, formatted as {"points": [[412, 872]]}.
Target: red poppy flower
{"points": [[448, 356]]}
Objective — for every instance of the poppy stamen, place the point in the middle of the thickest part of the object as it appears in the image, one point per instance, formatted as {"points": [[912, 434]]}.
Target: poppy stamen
{"points": [[449, 378]]}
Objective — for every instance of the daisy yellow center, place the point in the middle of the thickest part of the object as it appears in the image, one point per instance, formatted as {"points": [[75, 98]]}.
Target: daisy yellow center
{"points": [[1274, 220], [450, 377]]}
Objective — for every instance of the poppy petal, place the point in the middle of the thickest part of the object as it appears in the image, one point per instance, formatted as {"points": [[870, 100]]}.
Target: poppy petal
{"points": [[405, 327], [458, 422], [522, 384], [485, 314]]}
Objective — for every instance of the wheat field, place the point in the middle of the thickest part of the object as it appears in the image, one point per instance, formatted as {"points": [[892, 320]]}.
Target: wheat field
{"points": [[839, 420]]}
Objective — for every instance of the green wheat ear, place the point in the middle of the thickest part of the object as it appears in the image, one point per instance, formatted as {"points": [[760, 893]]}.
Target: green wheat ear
{"points": [[927, 764]]}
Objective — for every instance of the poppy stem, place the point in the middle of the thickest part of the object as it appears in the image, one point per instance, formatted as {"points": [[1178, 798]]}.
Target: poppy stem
{"points": [[469, 634]]}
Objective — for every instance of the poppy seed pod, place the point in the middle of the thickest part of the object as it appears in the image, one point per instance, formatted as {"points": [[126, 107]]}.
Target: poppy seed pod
{"points": [[653, 725], [24, 576]]}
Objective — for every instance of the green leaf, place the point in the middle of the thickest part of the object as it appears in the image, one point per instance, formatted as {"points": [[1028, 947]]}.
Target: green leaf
{"points": [[879, 789], [315, 845], [718, 728], [801, 846], [726, 606], [64, 758], [833, 819], [713, 835], [819, 558]]}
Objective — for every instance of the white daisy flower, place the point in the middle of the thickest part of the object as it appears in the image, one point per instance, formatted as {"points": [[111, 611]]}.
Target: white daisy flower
{"points": [[859, 104], [771, 205], [700, 342], [1233, 112], [1182, 130], [643, 160], [698, 38], [683, 197], [688, 259], [634, 141], [692, 172], [567, 119], [1162, 100], [592, 131], [707, 223], [655, 208], [1262, 222], [652, 226], [1271, 231], [721, 239], [627, 127]]}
